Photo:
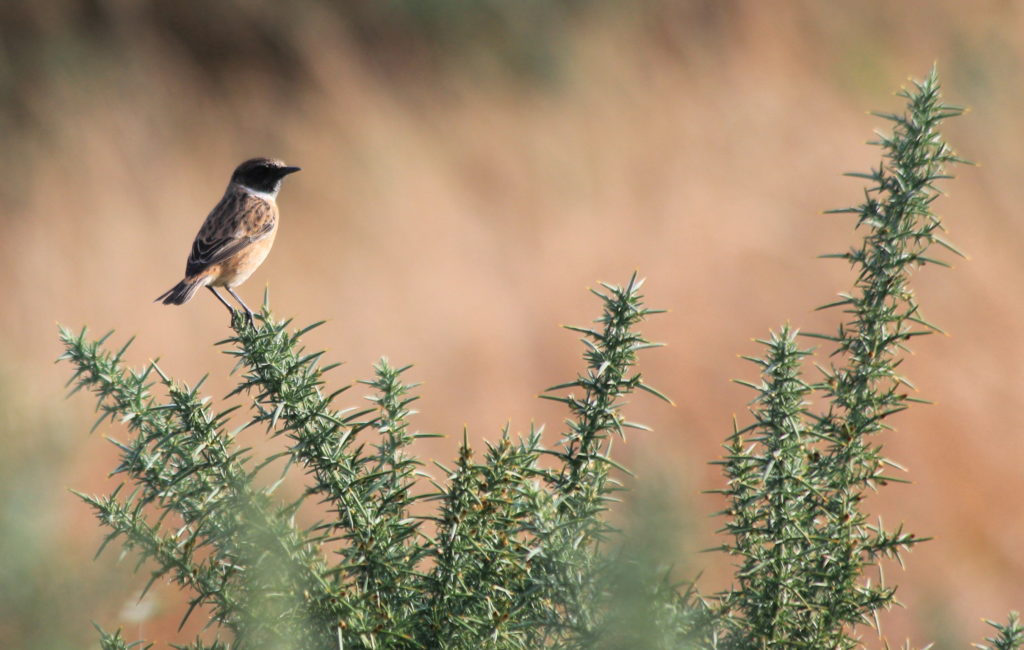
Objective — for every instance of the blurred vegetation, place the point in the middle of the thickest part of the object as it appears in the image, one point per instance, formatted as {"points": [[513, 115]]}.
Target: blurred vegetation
{"points": [[658, 131], [41, 572], [48, 46], [40, 41]]}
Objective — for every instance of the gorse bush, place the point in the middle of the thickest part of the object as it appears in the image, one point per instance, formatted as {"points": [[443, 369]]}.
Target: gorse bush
{"points": [[510, 547], [512, 558]]}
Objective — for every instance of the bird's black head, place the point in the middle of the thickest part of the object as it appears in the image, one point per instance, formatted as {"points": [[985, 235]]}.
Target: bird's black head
{"points": [[262, 174]]}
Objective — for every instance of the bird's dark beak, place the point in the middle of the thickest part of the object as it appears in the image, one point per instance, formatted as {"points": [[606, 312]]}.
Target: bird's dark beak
{"points": [[284, 171]]}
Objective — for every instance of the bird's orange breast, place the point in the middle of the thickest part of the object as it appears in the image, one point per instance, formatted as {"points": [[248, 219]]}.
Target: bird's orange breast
{"points": [[236, 269]]}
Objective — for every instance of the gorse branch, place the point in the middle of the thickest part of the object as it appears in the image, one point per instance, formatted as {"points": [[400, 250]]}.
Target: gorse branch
{"points": [[610, 355], [864, 388], [773, 508], [366, 488], [797, 479], [1010, 637], [581, 486], [192, 507]]}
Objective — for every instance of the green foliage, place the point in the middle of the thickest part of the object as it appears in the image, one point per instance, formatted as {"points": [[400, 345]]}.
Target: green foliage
{"points": [[40, 572], [513, 548], [797, 479], [117, 642], [1010, 637], [774, 504], [514, 557]]}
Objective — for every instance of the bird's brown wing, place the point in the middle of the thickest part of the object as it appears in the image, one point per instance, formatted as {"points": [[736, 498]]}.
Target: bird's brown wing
{"points": [[238, 220]]}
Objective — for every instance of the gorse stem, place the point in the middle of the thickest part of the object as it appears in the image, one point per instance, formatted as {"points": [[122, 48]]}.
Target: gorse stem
{"points": [[773, 508], [581, 488], [797, 480]]}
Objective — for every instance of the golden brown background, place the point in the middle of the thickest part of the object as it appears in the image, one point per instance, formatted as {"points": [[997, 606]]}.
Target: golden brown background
{"points": [[468, 169]]}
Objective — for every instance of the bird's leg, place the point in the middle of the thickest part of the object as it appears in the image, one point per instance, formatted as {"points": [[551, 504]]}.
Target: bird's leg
{"points": [[223, 302], [248, 312]]}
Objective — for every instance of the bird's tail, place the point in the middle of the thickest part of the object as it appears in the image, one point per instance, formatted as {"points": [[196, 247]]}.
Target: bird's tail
{"points": [[182, 292]]}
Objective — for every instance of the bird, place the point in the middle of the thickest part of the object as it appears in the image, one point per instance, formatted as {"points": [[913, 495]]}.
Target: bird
{"points": [[236, 236]]}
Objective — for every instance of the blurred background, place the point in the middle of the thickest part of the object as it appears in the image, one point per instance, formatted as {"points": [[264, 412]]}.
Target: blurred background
{"points": [[469, 168]]}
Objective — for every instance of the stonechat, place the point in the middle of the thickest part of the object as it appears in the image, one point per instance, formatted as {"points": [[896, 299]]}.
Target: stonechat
{"points": [[236, 236]]}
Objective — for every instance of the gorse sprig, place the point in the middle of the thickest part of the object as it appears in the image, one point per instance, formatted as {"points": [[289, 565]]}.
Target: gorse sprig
{"points": [[773, 508], [1010, 637], [117, 642], [863, 388], [366, 487], [797, 479], [581, 488]]}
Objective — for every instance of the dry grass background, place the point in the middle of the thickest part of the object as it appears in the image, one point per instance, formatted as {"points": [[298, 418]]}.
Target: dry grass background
{"points": [[450, 213]]}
